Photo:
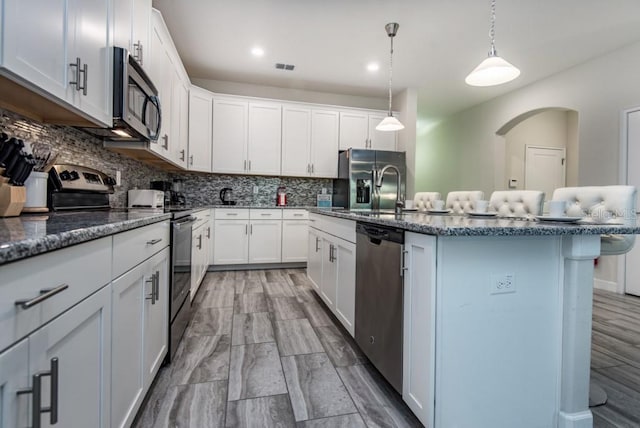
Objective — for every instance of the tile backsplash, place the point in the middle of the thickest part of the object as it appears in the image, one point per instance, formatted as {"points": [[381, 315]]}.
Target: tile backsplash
{"points": [[77, 147]]}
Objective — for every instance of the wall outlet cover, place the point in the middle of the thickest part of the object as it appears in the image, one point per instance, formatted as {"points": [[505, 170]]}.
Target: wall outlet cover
{"points": [[503, 283]]}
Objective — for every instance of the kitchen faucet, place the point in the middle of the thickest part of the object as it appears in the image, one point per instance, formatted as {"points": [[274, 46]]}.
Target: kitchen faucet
{"points": [[399, 201]]}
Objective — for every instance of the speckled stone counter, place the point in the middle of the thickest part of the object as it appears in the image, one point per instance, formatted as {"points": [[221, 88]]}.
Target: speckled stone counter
{"points": [[464, 225], [33, 234]]}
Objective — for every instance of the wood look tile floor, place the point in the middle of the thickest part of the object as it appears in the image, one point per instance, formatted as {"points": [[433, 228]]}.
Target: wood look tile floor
{"points": [[263, 351]]}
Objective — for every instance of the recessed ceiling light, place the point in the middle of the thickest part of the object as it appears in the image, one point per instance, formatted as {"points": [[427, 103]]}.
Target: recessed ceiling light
{"points": [[373, 66], [257, 51]]}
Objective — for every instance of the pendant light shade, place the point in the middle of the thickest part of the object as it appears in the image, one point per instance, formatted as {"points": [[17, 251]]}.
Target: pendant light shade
{"points": [[494, 70], [390, 123]]}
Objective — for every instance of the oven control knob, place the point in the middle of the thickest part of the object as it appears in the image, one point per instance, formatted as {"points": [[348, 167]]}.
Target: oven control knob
{"points": [[74, 175], [64, 175]]}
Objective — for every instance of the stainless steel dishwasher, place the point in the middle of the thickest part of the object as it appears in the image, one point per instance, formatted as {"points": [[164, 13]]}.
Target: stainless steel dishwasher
{"points": [[379, 298]]}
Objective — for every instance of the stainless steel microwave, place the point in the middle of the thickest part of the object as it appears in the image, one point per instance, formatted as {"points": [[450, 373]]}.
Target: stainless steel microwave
{"points": [[136, 107]]}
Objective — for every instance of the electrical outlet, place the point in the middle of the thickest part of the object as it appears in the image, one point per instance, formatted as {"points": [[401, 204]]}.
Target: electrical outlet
{"points": [[255, 190], [118, 178], [504, 283]]}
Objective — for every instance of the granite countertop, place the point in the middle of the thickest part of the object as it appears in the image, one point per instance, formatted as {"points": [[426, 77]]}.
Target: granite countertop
{"points": [[263, 207], [464, 225], [32, 234]]}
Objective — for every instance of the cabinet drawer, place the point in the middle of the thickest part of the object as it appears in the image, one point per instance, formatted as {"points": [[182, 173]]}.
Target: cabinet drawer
{"points": [[265, 214], [84, 268], [345, 229], [316, 221], [202, 217], [295, 214], [134, 246], [232, 213]]}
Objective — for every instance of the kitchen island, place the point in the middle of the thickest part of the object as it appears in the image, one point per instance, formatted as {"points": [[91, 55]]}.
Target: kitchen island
{"points": [[497, 317]]}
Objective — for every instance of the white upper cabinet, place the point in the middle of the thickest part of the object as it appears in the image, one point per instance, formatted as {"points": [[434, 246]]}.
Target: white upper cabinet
{"points": [[296, 140], [324, 143], [358, 131], [380, 140], [66, 53], [354, 130], [131, 28], [309, 142], [230, 135], [264, 142], [200, 129]]}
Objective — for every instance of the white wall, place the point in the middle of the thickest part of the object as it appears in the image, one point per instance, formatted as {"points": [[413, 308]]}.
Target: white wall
{"points": [[464, 152]]}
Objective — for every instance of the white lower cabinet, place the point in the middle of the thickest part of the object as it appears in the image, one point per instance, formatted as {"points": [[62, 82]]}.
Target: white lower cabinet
{"points": [[200, 244], [140, 341], [14, 376], [294, 235], [265, 241], [418, 383], [231, 239], [75, 348], [332, 267]]}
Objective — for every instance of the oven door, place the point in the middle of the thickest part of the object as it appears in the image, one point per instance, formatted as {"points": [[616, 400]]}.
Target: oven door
{"points": [[180, 262]]}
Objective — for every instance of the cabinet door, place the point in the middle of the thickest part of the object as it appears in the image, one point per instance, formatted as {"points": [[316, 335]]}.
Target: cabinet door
{"points": [[179, 119], [380, 140], [212, 242], [39, 54], [197, 240], [89, 40], [418, 384], [345, 258], [156, 316], [230, 136], [265, 241], [200, 129], [329, 273], [324, 143], [314, 262], [128, 380], [140, 32], [265, 136], [161, 76], [81, 341], [296, 141], [353, 130], [231, 242], [122, 23], [294, 241], [14, 371]]}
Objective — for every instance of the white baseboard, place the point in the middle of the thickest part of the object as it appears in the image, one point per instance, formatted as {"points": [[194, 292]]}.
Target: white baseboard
{"points": [[601, 284]]}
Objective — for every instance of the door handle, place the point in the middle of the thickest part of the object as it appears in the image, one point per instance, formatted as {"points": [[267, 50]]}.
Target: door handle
{"points": [[249, 165], [154, 241], [152, 297], [182, 154], [76, 82], [208, 232], [156, 277], [85, 73], [245, 165], [44, 295], [317, 244], [191, 160], [36, 392], [166, 142], [403, 261]]}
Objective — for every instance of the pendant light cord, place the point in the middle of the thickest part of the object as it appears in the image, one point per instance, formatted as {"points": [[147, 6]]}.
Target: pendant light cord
{"points": [[492, 31], [390, 74]]}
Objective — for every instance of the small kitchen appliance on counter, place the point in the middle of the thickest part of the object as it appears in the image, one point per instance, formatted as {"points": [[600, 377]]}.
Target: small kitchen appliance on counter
{"points": [[145, 198], [281, 198], [74, 187], [226, 196]]}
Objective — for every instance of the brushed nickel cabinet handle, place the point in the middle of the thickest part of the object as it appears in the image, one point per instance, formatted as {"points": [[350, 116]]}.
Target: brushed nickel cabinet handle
{"points": [[166, 142], [152, 296], [154, 241], [44, 295], [245, 165], [182, 154], [191, 160], [36, 392], [249, 165], [208, 232], [76, 82], [317, 244], [403, 262], [156, 277], [85, 74]]}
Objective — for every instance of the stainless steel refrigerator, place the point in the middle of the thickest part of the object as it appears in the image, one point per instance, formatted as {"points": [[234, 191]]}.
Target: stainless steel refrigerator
{"points": [[357, 171]]}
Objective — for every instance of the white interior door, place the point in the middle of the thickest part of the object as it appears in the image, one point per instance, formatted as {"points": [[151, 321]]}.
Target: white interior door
{"points": [[632, 258], [544, 169]]}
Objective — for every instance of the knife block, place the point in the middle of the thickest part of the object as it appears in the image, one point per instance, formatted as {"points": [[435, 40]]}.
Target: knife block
{"points": [[12, 199]]}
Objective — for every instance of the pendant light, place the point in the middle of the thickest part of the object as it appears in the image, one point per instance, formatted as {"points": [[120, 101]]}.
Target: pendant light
{"points": [[390, 123], [494, 70]]}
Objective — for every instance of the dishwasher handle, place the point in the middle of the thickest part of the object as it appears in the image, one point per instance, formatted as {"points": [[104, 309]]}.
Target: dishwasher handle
{"points": [[374, 233]]}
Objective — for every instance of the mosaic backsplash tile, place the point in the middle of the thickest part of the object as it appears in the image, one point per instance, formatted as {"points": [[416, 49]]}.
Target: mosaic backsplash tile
{"points": [[77, 147]]}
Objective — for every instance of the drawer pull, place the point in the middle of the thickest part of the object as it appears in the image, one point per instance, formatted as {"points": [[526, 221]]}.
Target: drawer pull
{"points": [[231, 214], [298, 214], [44, 295], [154, 241], [266, 214]]}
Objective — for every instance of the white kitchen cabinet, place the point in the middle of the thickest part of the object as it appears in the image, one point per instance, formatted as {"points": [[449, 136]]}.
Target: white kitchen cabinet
{"points": [[200, 129], [180, 120], [14, 376], [66, 53], [80, 341], [325, 131], [294, 235], [264, 138], [332, 266], [314, 258], [265, 241], [309, 142], [140, 302], [231, 239], [201, 236], [132, 22], [161, 75], [230, 121], [418, 326], [212, 242], [357, 130]]}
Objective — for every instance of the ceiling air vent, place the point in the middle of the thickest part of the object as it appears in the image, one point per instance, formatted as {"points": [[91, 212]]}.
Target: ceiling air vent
{"points": [[281, 66]]}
